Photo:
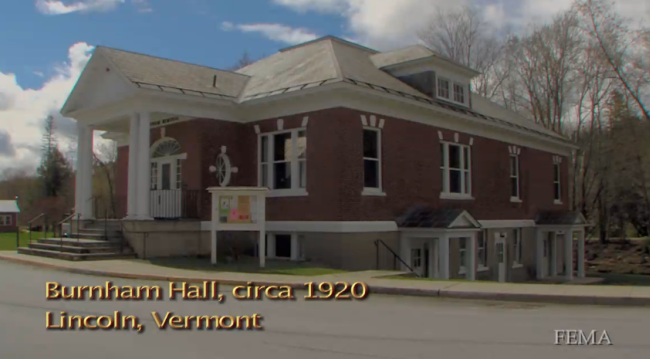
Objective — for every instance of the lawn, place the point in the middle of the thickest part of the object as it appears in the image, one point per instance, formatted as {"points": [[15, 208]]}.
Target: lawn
{"points": [[8, 240], [623, 279], [246, 265]]}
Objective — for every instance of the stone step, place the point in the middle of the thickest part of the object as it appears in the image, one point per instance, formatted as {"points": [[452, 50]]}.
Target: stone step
{"points": [[77, 249], [74, 256], [95, 234], [81, 242], [100, 225]]}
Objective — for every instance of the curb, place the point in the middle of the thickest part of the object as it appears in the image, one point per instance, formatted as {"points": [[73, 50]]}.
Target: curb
{"points": [[441, 293]]}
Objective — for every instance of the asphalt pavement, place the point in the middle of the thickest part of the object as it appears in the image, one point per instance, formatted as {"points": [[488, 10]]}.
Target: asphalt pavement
{"points": [[382, 326]]}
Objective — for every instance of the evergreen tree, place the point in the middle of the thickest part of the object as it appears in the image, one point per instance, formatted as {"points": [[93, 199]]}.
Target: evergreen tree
{"points": [[54, 170]]}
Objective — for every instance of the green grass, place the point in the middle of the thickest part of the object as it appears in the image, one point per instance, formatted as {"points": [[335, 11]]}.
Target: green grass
{"points": [[402, 277], [246, 265], [8, 240]]}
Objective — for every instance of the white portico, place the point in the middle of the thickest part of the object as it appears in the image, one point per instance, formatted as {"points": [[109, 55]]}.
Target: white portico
{"points": [[557, 233], [129, 95]]}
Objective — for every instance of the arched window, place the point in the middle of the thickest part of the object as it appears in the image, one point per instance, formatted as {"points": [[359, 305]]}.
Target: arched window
{"points": [[165, 147]]}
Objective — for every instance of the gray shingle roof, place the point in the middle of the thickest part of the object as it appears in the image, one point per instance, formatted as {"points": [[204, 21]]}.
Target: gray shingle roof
{"points": [[9, 206], [559, 218], [148, 70], [422, 216], [411, 53]]}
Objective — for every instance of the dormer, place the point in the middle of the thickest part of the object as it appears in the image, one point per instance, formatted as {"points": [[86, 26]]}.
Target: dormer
{"points": [[428, 72]]}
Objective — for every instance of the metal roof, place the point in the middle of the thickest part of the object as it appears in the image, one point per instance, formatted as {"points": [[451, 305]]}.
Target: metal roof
{"points": [[9, 206]]}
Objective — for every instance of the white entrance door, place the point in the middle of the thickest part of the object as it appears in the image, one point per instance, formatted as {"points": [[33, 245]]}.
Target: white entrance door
{"points": [[166, 197], [417, 260], [500, 250]]}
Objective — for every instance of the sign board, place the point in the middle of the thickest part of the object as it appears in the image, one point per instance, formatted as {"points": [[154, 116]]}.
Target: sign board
{"points": [[237, 209]]}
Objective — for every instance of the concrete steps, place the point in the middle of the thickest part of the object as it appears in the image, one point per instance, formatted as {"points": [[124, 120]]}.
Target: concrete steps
{"points": [[95, 241], [74, 256]]}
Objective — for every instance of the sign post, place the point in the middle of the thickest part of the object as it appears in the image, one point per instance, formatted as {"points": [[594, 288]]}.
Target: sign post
{"points": [[238, 209]]}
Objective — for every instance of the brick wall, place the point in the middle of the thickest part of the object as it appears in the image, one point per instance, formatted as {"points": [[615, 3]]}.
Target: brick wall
{"points": [[12, 227], [410, 168]]}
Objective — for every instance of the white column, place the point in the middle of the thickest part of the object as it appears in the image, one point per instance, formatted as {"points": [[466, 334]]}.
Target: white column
{"points": [[79, 179], [134, 128], [86, 185], [295, 248], [581, 253], [443, 250], [261, 210], [404, 251], [432, 259], [144, 167], [568, 254], [539, 254], [553, 254], [214, 209], [471, 259], [270, 242]]}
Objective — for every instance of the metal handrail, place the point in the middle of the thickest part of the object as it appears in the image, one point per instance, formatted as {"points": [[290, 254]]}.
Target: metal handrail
{"points": [[29, 224], [397, 257], [63, 221]]}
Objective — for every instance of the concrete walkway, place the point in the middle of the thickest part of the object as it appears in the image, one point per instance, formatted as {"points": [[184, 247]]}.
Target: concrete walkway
{"points": [[543, 293]]}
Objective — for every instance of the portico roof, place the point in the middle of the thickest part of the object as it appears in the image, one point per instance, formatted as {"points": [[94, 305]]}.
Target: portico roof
{"points": [[422, 216], [9, 206], [560, 218]]}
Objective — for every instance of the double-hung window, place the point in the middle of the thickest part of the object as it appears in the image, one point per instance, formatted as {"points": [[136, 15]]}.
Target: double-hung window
{"points": [[283, 162], [518, 247], [455, 165], [372, 160], [557, 194], [443, 88], [459, 93], [514, 178], [5, 220]]}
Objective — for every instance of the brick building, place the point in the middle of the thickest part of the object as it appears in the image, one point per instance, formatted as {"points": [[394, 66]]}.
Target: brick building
{"points": [[364, 153], [9, 215]]}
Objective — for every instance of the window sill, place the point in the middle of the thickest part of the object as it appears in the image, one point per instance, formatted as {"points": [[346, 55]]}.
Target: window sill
{"points": [[515, 200], [373, 192], [462, 271], [301, 192], [482, 269], [456, 196], [557, 202], [517, 265]]}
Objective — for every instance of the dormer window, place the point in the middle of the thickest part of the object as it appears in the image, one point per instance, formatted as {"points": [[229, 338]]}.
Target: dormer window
{"points": [[443, 88], [459, 93]]}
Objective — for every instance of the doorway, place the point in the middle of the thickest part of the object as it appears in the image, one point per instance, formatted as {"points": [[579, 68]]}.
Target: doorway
{"points": [[500, 250], [166, 195]]}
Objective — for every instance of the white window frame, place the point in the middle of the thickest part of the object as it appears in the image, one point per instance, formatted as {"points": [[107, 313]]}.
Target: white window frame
{"points": [[557, 182], [439, 87], [518, 248], [516, 177], [482, 257], [415, 257], [466, 191], [296, 190], [453, 93], [462, 255], [179, 176], [6, 220], [374, 191]]}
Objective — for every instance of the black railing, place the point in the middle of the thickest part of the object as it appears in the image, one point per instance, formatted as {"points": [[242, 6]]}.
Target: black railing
{"points": [[396, 257], [175, 204], [29, 225]]}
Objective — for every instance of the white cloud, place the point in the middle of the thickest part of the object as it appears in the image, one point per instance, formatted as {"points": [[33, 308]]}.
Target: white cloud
{"points": [[22, 111], [275, 32], [55, 7], [143, 6], [387, 24], [38, 73]]}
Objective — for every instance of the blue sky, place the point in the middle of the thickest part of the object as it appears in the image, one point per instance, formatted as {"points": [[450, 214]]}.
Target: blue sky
{"points": [[44, 44], [183, 30]]}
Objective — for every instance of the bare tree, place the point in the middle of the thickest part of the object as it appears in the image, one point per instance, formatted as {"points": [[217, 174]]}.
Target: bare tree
{"points": [[243, 61], [626, 51], [463, 35], [105, 157]]}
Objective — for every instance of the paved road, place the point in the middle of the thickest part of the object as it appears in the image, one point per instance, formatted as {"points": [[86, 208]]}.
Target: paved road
{"points": [[379, 327]]}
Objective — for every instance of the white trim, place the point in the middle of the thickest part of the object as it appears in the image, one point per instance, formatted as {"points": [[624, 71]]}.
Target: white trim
{"points": [[373, 121], [456, 196], [381, 123], [467, 217], [257, 129], [558, 202], [517, 265], [482, 269], [471, 141], [294, 192], [294, 162], [380, 188], [440, 136], [364, 120], [507, 223], [331, 227], [373, 192], [456, 137], [515, 200], [305, 121], [280, 124]]}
